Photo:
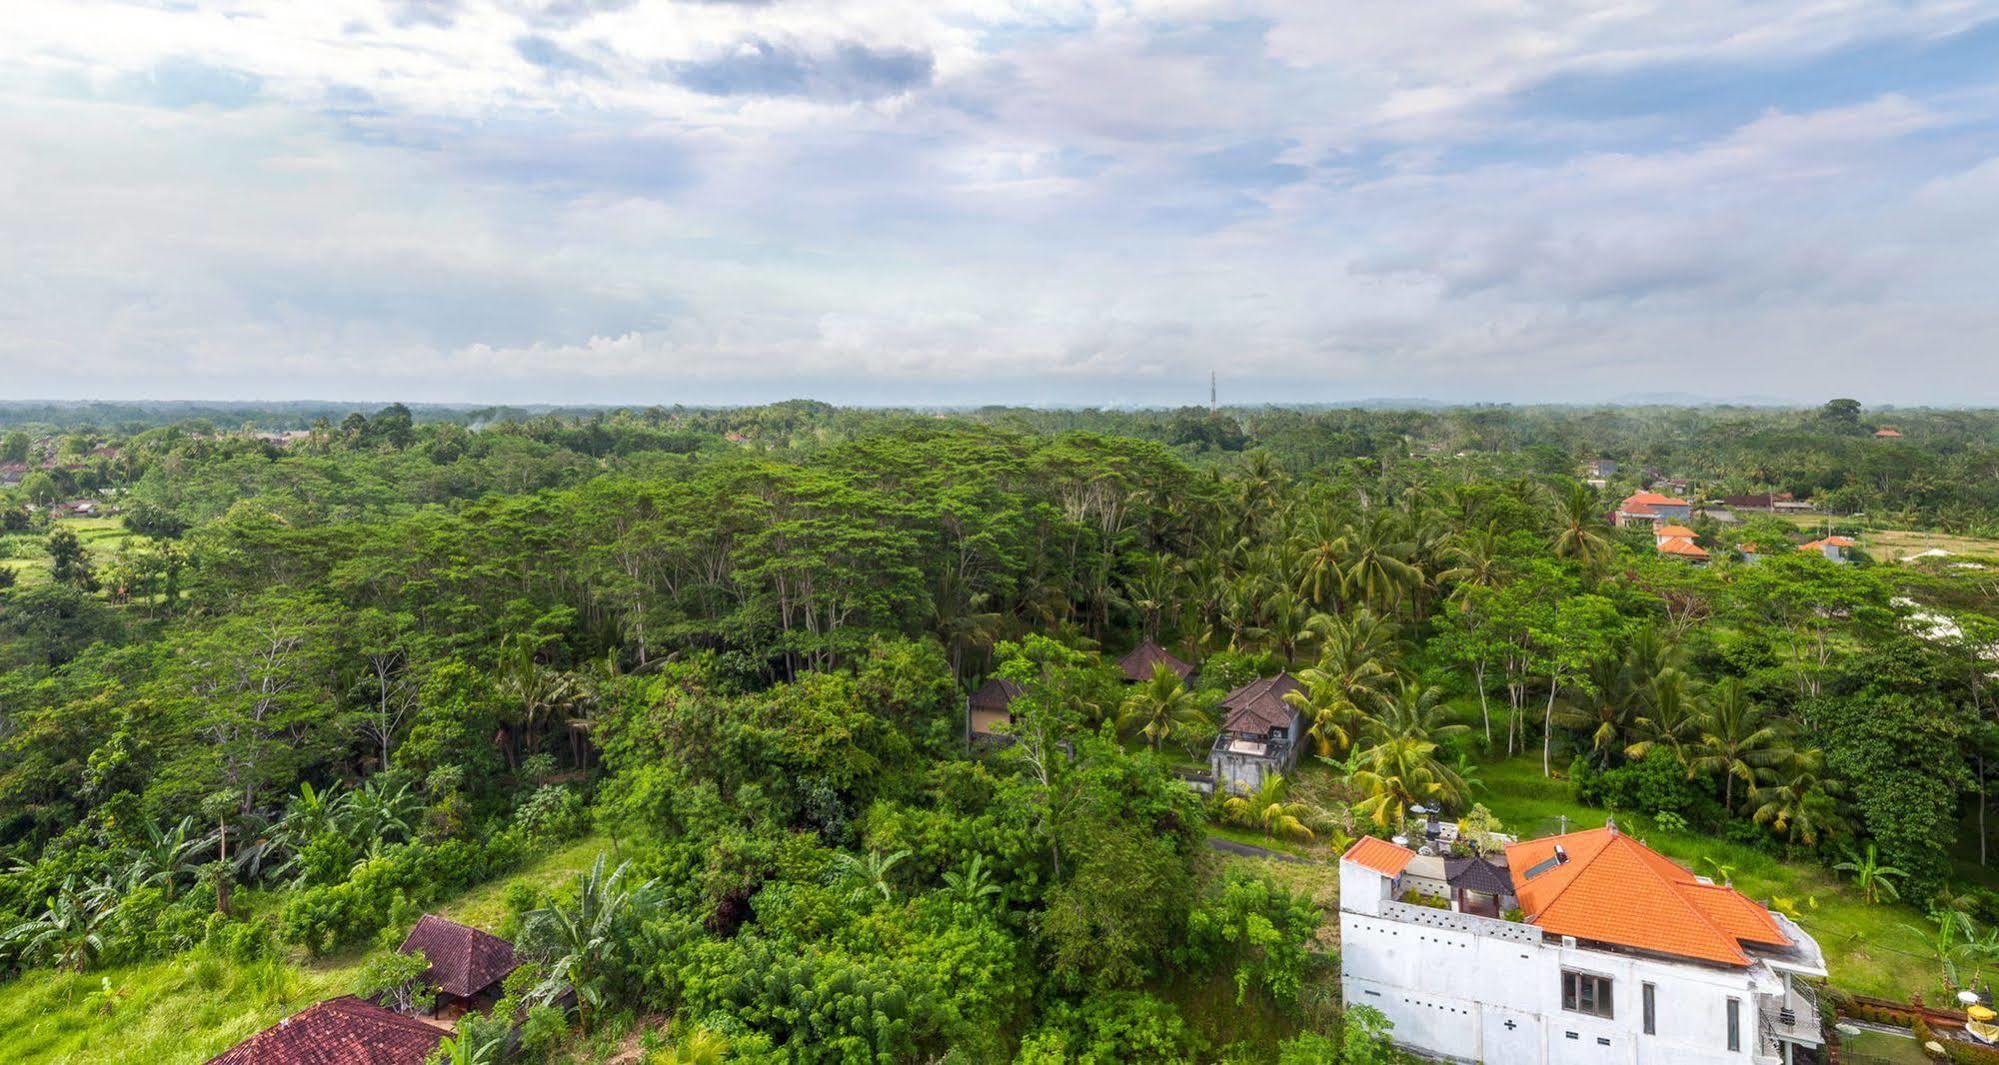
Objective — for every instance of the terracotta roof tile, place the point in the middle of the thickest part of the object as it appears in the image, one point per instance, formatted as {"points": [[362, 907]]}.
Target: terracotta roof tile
{"points": [[1673, 530], [340, 1031], [1614, 889], [1259, 706], [1383, 857], [463, 960], [1138, 664], [995, 694], [1680, 545]]}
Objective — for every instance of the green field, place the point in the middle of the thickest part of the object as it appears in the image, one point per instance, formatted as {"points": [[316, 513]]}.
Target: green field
{"points": [[187, 1009], [23, 553]]}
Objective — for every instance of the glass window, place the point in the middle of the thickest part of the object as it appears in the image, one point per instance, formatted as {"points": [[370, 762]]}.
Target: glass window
{"points": [[1586, 993], [1650, 994], [1734, 1025]]}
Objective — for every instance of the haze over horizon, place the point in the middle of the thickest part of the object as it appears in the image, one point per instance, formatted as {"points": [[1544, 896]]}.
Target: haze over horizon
{"points": [[1060, 204]]}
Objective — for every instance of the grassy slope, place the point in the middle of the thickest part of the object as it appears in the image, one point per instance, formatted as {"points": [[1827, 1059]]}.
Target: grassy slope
{"points": [[1868, 948], [188, 1009], [100, 537]]}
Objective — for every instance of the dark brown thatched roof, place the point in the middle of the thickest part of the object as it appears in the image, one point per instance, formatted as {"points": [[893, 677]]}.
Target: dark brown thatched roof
{"points": [[463, 961], [995, 694], [1477, 874], [1139, 663], [1259, 706], [340, 1031]]}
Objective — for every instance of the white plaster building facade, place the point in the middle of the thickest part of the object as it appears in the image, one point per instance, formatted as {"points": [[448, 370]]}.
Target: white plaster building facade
{"points": [[1479, 989]]}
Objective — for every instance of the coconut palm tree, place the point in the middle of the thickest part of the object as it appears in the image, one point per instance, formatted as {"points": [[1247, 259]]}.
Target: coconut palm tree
{"points": [[1796, 800], [1379, 571], [1344, 691], [1401, 766], [1875, 880], [1160, 707], [1670, 718], [1321, 564], [1737, 740], [1579, 531], [1270, 810]]}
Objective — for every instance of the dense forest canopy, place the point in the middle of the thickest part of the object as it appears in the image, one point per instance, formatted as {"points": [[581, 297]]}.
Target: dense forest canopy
{"points": [[339, 664]]}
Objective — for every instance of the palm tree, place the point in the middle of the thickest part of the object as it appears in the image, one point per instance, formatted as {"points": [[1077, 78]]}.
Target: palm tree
{"points": [[1670, 718], [1269, 810], [66, 933], [1796, 800], [974, 883], [1875, 880], [1402, 767], [1347, 688], [578, 941], [1321, 564], [1160, 707], [871, 870], [165, 858], [1579, 530], [1378, 569], [1738, 739], [1286, 623], [1476, 560]]}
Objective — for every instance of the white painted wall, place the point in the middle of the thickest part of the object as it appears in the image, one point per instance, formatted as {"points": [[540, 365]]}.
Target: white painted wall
{"points": [[1450, 991]]}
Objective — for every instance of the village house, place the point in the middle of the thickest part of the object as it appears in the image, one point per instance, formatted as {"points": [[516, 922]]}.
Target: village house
{"points": [[1885, 433], [1763, 501], [1261, 734], [1616, 955], [1600, 469], [466, 964], [990, 707], [1832, 547], [1651, 507], [340, 1031], [1678, 541], [1138, 664]]}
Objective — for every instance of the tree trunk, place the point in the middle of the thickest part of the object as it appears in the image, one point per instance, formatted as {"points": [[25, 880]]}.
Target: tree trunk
{"points": [[1548, 730]]}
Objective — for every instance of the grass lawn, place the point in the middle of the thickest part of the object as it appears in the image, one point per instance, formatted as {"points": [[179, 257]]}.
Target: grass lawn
{"points": [[185, 1010], [100, 537], [485, 906], [1867, 946]]}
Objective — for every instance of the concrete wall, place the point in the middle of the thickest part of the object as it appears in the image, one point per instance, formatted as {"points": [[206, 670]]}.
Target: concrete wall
{"points": [[1477, 989]]}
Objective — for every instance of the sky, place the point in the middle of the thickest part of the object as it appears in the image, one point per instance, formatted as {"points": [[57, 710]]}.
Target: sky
{"points": [[971, 201]]}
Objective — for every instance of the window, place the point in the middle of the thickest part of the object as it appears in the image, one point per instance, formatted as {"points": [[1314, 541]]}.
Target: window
{"points": [[1734, 1025], [1586, 993], [1650, 994]]}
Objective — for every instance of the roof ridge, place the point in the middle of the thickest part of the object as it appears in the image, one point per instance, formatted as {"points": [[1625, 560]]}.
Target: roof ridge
{"points": [[1672, 888]]}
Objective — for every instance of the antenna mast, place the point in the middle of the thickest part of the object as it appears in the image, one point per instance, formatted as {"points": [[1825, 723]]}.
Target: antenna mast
{"points": [[1212, 406]]}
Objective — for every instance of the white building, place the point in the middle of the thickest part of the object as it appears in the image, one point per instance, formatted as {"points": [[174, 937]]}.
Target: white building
{"points": [[1620, 956]]}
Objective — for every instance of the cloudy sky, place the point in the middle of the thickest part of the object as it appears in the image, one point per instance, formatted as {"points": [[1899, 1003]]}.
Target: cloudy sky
{"points": [[963, 201]]}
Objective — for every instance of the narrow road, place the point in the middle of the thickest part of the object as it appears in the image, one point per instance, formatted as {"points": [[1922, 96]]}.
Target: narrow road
{"points": [[1251, 850]]}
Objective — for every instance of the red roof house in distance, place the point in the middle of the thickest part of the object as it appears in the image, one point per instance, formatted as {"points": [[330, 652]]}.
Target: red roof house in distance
{"points": [[1832, 547], [1885, 433], [1651, 507], [1139, 664], [340, 1031], [465, 963]]}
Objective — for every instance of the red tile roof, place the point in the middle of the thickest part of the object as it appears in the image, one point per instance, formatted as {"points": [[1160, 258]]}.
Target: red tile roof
{"points": [[1138, 664], [1640, 504], [1259, 706], [1674, 530], [1887, 433], [1614, 889], [1830, 541], [1383, 857], [340, 1031], [463, 960], [1680, 545]]}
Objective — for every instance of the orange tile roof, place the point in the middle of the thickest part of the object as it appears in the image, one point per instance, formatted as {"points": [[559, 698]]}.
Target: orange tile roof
{"points": [[1884, 431], [1379, 855], [1642, 502], [1680, 545], [1830, 541], [1673, 530], [1614, 889]]}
